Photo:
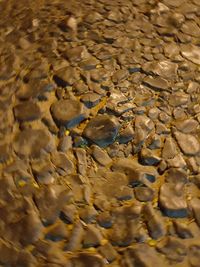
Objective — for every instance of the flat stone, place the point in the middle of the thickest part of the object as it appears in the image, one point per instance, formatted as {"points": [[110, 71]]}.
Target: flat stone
{"points": [[124, 231], [108, 252], [194, 254], [194, 203], [50, 201], [106, 186], [76, 54], [178, 99], [172, 200], [120, 75], [184, 230], [169, 149], [105, 219], [57, 233], [153, 113], [82, 160], [99, 75], [87, 259], [89, 64], [32, 228], [101, 156], [119, 110], [35, 88], [76, 238], [63, 163], [32, 143], [148, 157], [171, 50], [102, 130], [126, 135], [68, 113], [65, 77], [161, 128], [192, 53], [154, 221], [176, 175], [91, 99], [92, 236], [187, 126], [68, 213], [137, 174], [65, 144], [27, 111], [155, 142], [43, 170], [144, 193], [143, 255], [156, 83], [4, 152], [191, 28], [173, 248], [164, 68], [143, 126], [88, 214], [188, 143]]}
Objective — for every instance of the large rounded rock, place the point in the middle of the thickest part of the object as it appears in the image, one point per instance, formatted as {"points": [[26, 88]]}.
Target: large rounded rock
{"points": [[102, 130], [32, 142], [68, 113]]}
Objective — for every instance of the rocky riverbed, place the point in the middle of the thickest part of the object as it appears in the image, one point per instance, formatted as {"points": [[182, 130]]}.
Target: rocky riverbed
{"points": [[100, 133]]}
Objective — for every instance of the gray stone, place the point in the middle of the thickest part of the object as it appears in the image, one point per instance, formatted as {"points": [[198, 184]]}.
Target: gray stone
{"points": [[102, 130], [126, 135], [68, 113], [90, 99]]}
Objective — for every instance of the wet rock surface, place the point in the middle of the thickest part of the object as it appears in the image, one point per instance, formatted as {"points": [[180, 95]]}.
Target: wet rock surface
{"points": [[99, 133]]}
